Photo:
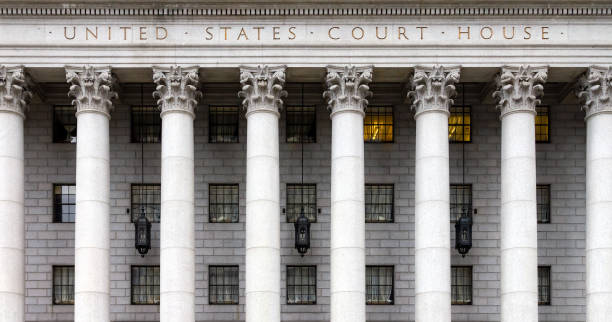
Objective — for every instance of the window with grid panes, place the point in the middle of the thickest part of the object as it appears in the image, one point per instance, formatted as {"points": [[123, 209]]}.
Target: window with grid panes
{"points": [[149, 197], [223, 285], [146, 124], [460, 200], [64, 124], [461, 285], [64, 202], [378, 124], [379, 285], [223, 203], [460, 124], [543, 285], [63, 285], [298, 196], [543, 197], [301, 124], [379, 203], [542, 125], [223, 124], [301, 284], [145, 285]]}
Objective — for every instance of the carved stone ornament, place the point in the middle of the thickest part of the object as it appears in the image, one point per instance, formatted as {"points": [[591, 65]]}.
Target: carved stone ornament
{"points": [[519, 88], [262, 88], [91, 88], [14, 92], [347, 88], [433, 88], [177, 88], [594, 89]]}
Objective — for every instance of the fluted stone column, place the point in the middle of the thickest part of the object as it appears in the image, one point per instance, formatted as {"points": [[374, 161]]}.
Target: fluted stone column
{"points": [[14, 99], [518, 89], [91, 89], [177, 93], [433, 89], [596, 88], [262, 90], [347, 90]]}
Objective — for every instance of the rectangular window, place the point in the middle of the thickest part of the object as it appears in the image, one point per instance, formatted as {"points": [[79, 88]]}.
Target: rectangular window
{"points": [[460, 200], [379, 285], [64, 202], [542, 124], [379, 203], [543, 203], [145, 285], [301, 284], [146, 124], [223, 285], [460, 124], [223, 124], [64, 124], [63, 285], [543, 285], [378, 124], [461, 285], [301, 124], [223, 203], [301, 196], [149, 197]]}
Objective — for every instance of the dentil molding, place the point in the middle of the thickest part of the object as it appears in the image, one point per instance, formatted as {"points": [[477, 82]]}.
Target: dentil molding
{"points": [[177, 88], [262, 88], [595, 88], [14, 92], [91, 88], [433, 88], [347, 88], [519, 88]]}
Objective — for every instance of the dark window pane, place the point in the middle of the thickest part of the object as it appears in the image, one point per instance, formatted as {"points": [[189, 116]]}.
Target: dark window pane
{"points": [[542, 125], [223, 124], [301, 124], [149, 197], [223, 203], [223, 285], [379, 284], [461, 285], [301, 284], [63, 285], [379, 203], [64, 201], [146, 124], [64, 124], [544, 285], [298, 196], [378, 124], [543, 197], [145, 285], [460, 200]]}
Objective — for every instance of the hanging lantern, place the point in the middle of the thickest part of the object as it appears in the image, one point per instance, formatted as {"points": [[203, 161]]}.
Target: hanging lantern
{"points": [[143, 233], [302, 233], [463, 233]]}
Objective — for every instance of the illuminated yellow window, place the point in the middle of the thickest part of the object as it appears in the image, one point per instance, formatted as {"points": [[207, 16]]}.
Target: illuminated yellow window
{"points": [[542, 124], [378, 124], [460, 124]]}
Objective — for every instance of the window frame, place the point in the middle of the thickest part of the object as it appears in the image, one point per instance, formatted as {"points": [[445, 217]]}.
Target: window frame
{"points": [[54, 120], [55, 214], [316, 217], [134, 216], [210, 123], [392, 215], [454, 219], [53, 285], [300, 285], [210, 204], [454, 301], [132, 302], [548, 125], [463, 124], [392, 296], [134, 134], [302, 112], [393, 121], [540, 187], [210, 286], [548, 269]]}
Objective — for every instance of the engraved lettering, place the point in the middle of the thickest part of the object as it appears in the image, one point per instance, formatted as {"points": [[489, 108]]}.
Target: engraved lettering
{"points": [[225, 29], [329, 33], [125, 29], [508, 37], [258, 32], [292, 32], [143, 33], [242, 34], [422, 28], [461, 32], [545, 33], [401, 31], [158, 34], [527, 33], [275, 33], [489, 33], [362, 33], [209, 34], [109, 33], [66, 33], [379, 37], [89, 32]]}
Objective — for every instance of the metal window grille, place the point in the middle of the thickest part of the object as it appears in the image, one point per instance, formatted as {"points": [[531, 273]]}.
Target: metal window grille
{"points": [[379, 203], [301, 284], [460, 199], [461, 285], [146, 124], [64, 202], [544, 285], [460, 124], [223, 203], [378, 124], [223, 124], [543, 200], [379, 285], [301, 124], [542, 125], [149, 197], [63, 285], [64, 124], [223, 285], [298, 196], [145, 285]]}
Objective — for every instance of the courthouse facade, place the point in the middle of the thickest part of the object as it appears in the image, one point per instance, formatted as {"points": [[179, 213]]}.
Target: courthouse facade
{"points": [[386, 125]]}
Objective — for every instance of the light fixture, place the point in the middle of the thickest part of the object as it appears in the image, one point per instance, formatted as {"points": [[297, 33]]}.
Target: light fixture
{"points": [[142, 224], [463, 226], [302, 224]]}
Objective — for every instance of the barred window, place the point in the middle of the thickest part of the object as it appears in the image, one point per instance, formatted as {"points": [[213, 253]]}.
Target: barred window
{"points": [[379, 203], [379, 285], [223, 124], [223, 285], [378, 124], [64, 202], [63, 285], [149, 197], [542, 125], [544, 285], [461, 285], [543, 203], [145, 285], [301, 284], [223, 203], [460, 200], [460, 124], [298, 196], [64, 124], [146, 124], [301, 124]]}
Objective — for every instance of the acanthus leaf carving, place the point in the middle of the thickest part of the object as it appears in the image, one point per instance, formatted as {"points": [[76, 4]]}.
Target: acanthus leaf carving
{"points": [[91, 88], [594, 89], [14, 92], [519, 88], [348, 88], [177, 88], [262, 88], [433, 88]]}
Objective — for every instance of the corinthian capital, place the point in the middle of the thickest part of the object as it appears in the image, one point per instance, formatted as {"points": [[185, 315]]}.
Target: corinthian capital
{"points": [[518, 88], [177, 88], [595, 87], [433, 88], [91, 88], [347, 88], [262, 88], [14, 92]]}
